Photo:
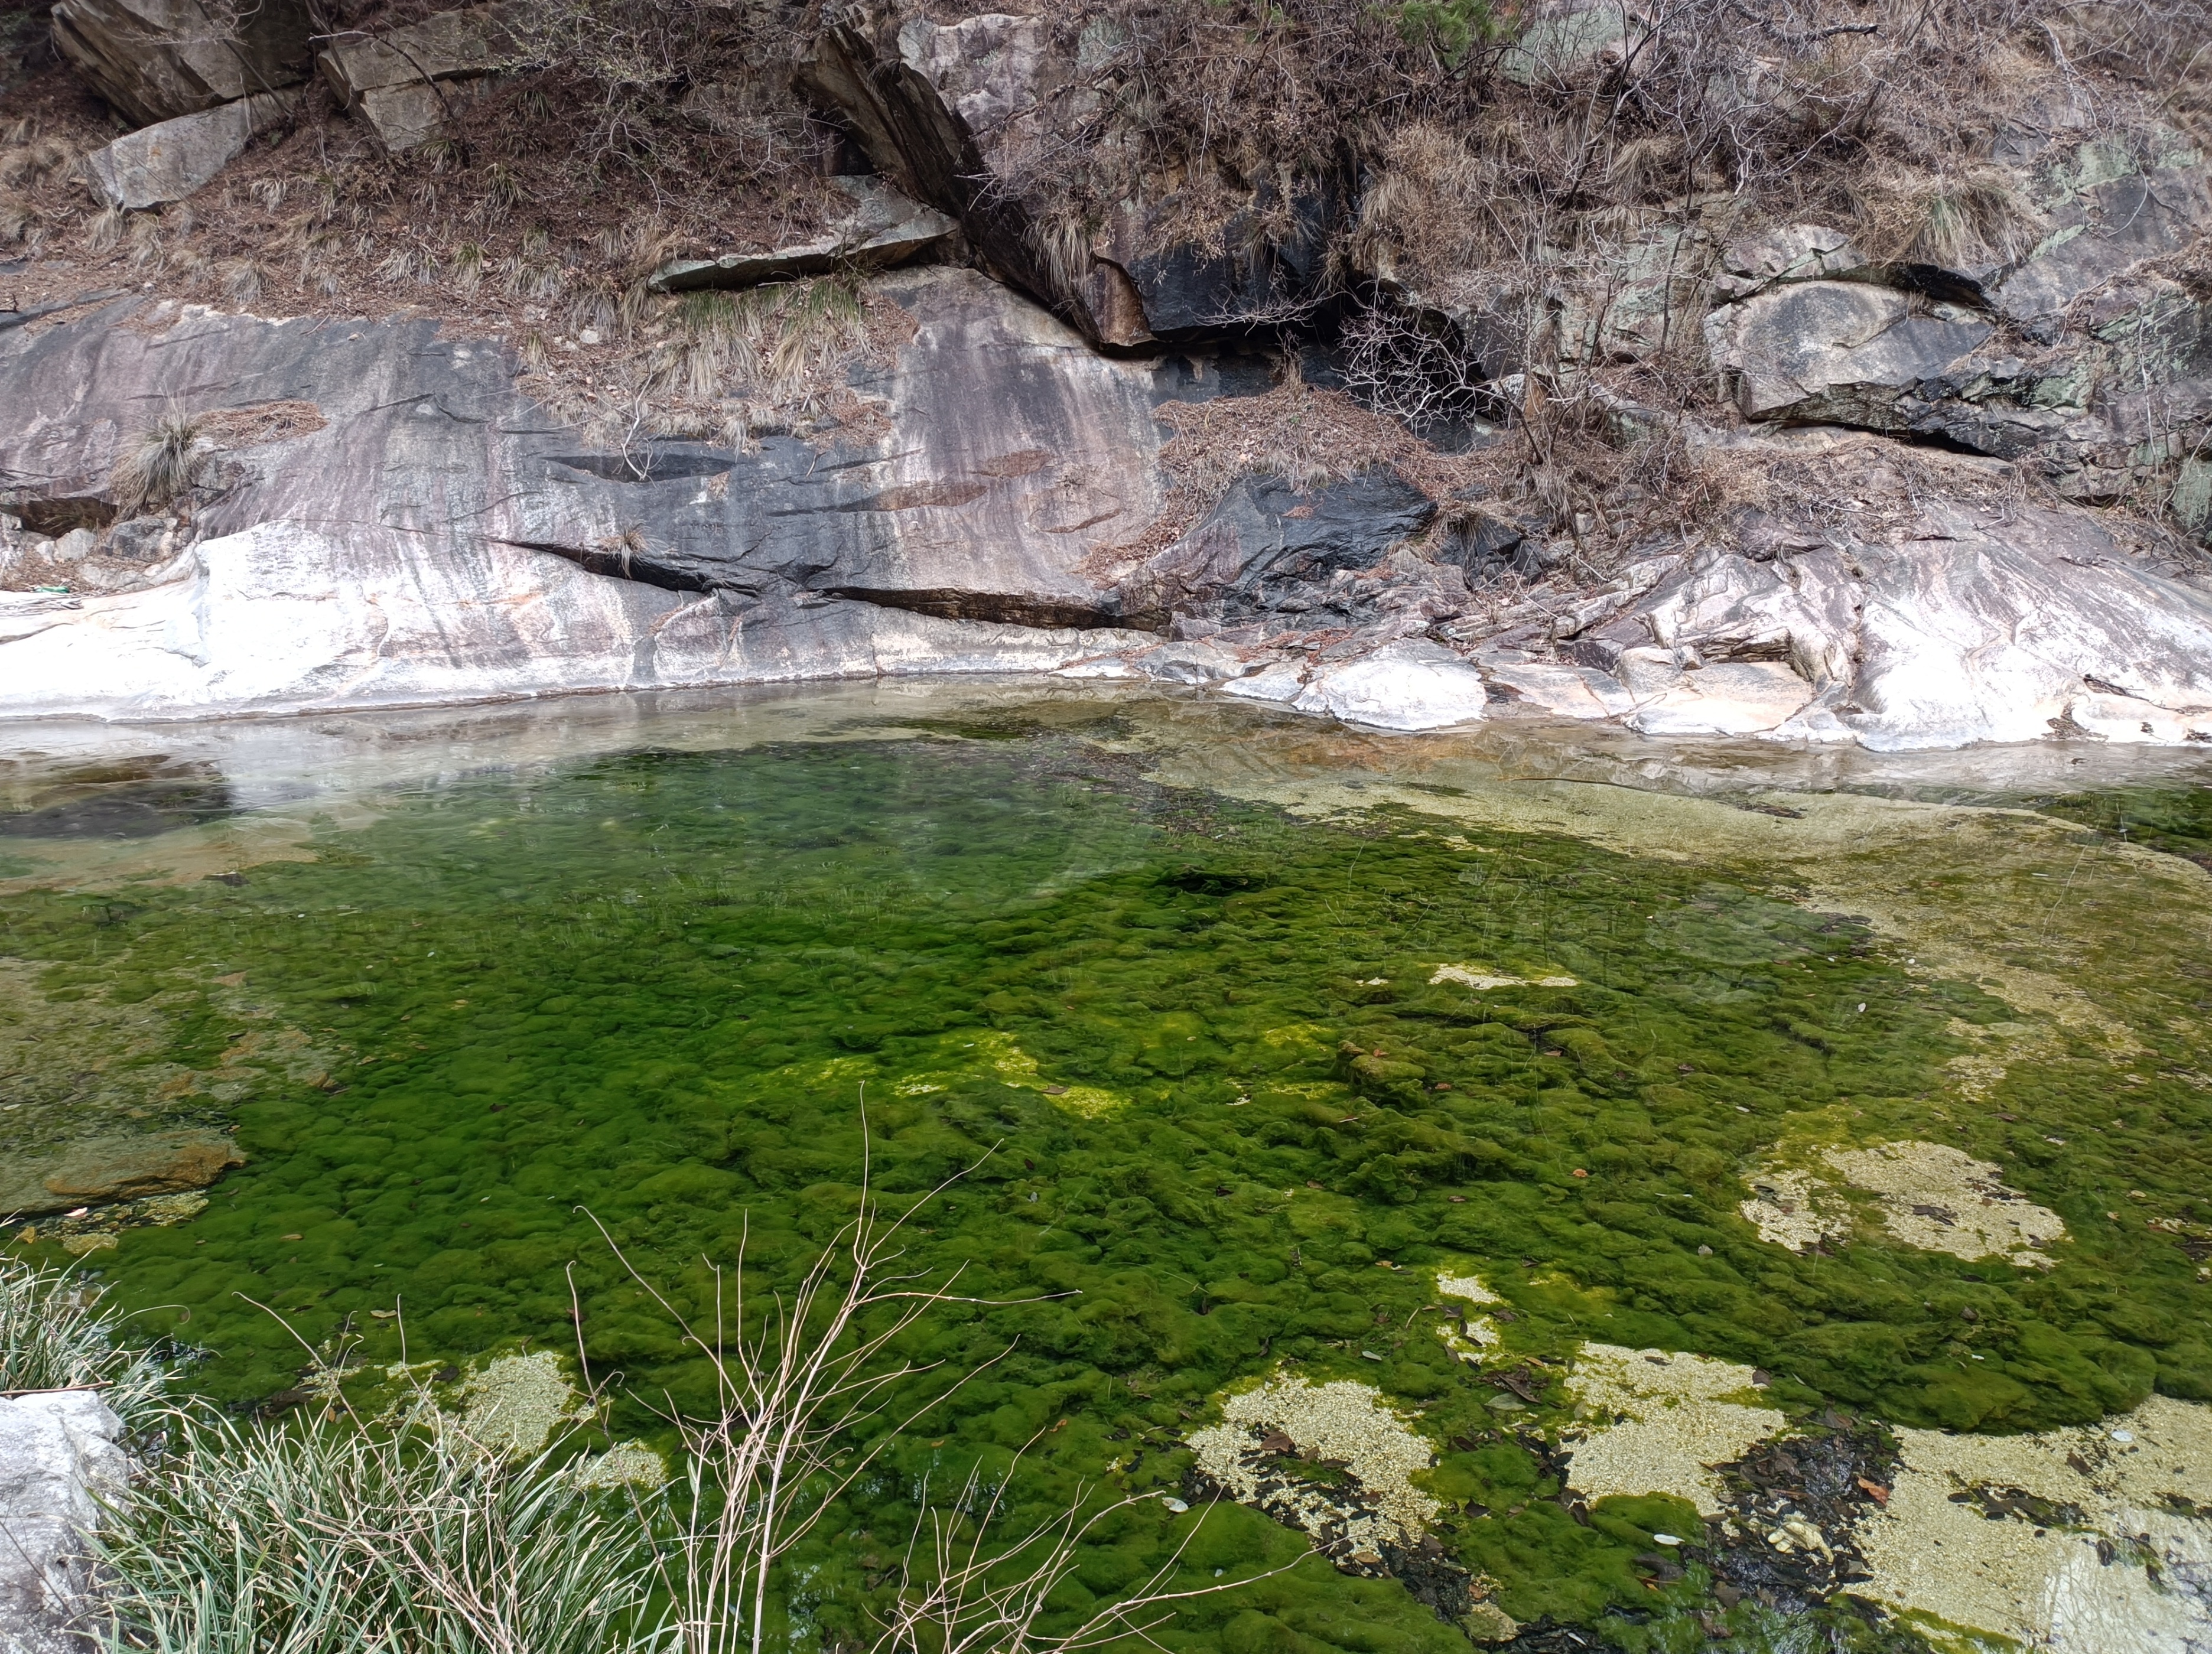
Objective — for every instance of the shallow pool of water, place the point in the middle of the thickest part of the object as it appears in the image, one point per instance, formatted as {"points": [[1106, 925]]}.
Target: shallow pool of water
{"points": [[1220, 1035]]}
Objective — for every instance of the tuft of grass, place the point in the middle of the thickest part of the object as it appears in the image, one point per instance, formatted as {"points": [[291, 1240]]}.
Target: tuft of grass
{"points": [[159, 469], [407, 263], [105, 230], [242, 281], [598, 304], [55, 1333], [1062, 246], [468, 266], [533, 272], [339, 1537]]}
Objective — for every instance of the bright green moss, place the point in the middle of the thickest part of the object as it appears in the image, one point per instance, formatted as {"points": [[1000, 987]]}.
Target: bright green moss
{"points": [[1190, 1058]]}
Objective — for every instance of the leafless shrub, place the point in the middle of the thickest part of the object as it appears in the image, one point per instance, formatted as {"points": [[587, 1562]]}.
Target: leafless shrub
{"points": [[1421, 369]]}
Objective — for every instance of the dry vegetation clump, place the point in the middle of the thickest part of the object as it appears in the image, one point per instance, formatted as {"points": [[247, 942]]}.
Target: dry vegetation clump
{"points": [[157, 468], [735, 366]]}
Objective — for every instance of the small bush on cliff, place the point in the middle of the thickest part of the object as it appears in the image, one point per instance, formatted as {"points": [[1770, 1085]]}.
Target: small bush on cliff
{"points": [[158, 469]]}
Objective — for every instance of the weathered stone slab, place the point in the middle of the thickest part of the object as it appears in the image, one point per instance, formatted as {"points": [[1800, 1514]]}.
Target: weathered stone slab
{"points": [[1795, 253], [2104, 232], [153, 60], [1837, 351], [406, 84], [59, 1458], [172, 158], [886, 226]]}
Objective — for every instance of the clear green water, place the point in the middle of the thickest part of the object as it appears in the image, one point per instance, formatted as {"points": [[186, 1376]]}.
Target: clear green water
{"points": [[1188, 1054]]}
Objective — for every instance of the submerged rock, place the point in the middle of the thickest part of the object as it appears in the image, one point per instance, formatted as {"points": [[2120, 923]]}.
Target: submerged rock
{"points": [[123, 1167]]}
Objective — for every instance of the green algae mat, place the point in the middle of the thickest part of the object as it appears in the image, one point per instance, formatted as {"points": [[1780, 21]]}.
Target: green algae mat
{"points": [[1218, 1054]]}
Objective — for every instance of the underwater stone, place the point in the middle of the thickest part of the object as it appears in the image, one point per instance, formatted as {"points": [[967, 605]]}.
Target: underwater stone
{"points": [[125, 1168]]}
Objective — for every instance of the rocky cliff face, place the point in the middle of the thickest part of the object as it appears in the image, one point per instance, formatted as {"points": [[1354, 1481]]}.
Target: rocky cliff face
{"points": [[1923, 507]]}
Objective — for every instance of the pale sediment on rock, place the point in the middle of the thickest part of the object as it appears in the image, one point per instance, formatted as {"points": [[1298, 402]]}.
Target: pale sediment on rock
{"points": [[514, 1404], [1660, 1421], [1932, 1196], [1340, 1423], [1482, 980], [2082, 1584], [1474, 1334], [1786, 1208], [1941, 1200]]}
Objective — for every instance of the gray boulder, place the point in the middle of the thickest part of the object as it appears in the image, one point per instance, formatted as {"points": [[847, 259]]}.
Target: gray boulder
{"points": [[172, 158], [1839, 352], [407, 83], [1797, 253], [154, 60], [884, 226], [59, 1460], [1560, 41]]}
